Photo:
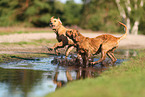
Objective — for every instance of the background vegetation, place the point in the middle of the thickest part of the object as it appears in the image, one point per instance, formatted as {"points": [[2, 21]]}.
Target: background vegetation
{"points": [[91, 14]]}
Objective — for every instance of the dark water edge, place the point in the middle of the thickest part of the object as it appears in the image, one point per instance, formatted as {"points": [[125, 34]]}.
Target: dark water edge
{"points": [[36, 78]]}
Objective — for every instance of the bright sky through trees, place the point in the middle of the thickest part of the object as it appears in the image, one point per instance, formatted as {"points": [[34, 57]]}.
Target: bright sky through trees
{"points": [[77, 1]]}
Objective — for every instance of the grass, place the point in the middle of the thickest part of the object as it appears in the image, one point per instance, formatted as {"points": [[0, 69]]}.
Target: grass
{"points": [[17, 30], [126, 80], [20, 32], [33, 42]]}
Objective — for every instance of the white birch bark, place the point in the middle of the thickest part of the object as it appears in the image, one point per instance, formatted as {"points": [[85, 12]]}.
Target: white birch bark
{"points": [[123, 14], [134, 30], [136, 23], [128, 7]]}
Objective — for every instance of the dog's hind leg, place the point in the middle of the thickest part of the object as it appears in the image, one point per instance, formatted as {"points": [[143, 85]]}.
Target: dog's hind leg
{"points": [[69, 48], [103, 57], [79, 60], [112, 57]]}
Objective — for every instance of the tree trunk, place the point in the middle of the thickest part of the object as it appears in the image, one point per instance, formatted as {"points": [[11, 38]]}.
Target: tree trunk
{"points": [[134, 30], [123, 14], [127, 4], [126, 15], [121, 9], [128, 25]]}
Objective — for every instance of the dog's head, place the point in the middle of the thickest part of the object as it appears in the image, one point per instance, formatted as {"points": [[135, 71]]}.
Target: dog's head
{"points": [[54, 23], [73, 34]]}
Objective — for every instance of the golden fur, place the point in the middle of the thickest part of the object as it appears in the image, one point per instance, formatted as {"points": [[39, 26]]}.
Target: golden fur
{"points": [[86, 47], [63, 40]]}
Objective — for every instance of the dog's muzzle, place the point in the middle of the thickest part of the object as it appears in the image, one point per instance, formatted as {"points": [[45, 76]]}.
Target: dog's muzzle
{"points": [[50, 24]]}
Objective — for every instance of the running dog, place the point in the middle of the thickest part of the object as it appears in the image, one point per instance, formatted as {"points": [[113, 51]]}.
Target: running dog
{"points": [[60, 32], [104, 44]]}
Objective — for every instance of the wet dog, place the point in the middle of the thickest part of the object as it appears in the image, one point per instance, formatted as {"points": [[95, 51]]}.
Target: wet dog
{"points": [[104, 44], [63, 40]]}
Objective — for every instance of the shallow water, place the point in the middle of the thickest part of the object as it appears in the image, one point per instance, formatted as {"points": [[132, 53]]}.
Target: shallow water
{"points": [[36, 78]]}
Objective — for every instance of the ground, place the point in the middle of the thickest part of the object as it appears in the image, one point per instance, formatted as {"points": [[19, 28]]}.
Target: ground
{"points": [[131, 41], [33, 41]]}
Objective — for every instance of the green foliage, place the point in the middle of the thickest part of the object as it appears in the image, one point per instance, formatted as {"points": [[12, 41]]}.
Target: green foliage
{"points": [[31, 11], [72, 13], [6, 12], [142, 23], [25, 12], [100, 15], [136, 13], [92, 14]]}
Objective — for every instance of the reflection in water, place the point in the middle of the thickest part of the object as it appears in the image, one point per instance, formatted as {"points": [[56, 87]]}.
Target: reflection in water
{"points": [[126, 53], [29, 79], [37, 78], [23, 83], [75, 73]]}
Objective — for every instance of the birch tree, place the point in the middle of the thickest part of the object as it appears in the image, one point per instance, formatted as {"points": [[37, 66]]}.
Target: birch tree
{"points": [[131, 12]]}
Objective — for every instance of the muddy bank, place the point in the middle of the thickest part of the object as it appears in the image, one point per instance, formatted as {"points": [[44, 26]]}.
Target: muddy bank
{"points": [[17, 54]]}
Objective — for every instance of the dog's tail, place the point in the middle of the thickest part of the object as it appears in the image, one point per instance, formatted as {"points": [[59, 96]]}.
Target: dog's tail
{"points": [[123, 36]]}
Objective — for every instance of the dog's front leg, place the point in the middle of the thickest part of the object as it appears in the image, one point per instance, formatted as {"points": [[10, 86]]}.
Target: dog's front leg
{"points": [[85, 60], [56, 46], [69, 48], [86, 55], [79, 59]]}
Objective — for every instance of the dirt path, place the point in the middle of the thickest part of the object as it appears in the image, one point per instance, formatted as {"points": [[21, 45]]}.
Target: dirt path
{"points": [[25, 37], [131, 42]]}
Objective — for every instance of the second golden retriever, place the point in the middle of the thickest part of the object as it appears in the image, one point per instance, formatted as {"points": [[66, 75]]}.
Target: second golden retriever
{"points": [[104, 44]]}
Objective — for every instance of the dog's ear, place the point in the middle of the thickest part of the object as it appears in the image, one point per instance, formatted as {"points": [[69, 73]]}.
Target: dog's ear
{"points": [[77, 35], [59, 20], [74, 34], [52, 17]]}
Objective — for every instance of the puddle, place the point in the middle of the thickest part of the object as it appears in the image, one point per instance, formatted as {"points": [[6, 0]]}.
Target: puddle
{"points": [[36, 78]]}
